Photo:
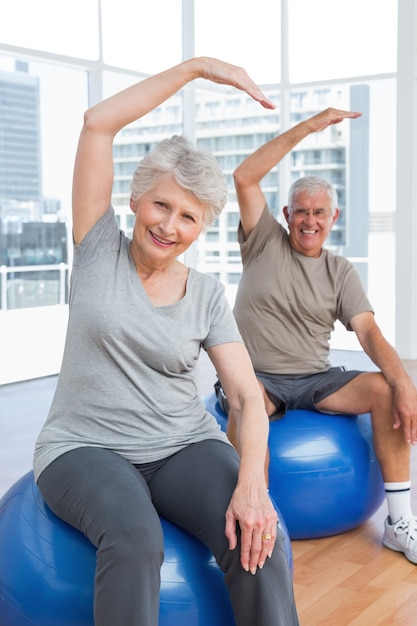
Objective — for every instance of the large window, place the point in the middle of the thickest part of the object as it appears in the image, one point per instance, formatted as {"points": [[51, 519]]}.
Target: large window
{"points": [[40, 116], [57, 57], [67, 27]]}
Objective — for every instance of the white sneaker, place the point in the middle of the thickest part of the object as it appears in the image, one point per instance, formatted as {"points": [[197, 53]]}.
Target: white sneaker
{"points": [[402, 537]]}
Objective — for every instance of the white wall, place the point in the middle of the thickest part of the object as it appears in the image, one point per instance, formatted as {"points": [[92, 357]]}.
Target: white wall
{"points": [[31, 342]]}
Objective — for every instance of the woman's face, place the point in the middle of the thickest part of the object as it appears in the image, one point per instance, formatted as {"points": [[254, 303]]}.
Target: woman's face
{"points": [[168, 220]]}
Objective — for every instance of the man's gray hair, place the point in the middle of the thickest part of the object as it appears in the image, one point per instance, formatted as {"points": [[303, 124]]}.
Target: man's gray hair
{"points": [[311, 185]]}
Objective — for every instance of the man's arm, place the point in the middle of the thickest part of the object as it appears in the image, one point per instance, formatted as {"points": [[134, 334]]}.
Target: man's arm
{"points": [[387, 359], [249, 173]]}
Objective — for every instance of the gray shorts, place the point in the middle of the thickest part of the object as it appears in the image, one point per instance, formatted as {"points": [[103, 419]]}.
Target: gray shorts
{"points": [[296, 391]]}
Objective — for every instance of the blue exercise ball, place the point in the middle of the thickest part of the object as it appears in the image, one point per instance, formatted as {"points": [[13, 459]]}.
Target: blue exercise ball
{"points": [[323, 471], [47, 570]]}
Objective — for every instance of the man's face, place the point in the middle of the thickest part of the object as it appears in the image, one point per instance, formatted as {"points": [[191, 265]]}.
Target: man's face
{"points": [[310, 220]]}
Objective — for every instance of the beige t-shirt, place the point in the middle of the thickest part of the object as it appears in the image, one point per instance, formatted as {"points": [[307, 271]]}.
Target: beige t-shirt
{"points": [[287, 303]]}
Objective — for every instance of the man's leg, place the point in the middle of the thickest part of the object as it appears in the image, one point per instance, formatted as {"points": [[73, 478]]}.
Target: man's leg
{"points": [[370, 393]]}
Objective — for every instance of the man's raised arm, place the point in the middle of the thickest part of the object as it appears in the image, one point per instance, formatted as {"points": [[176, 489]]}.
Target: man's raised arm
{"points": [[248, 175]]}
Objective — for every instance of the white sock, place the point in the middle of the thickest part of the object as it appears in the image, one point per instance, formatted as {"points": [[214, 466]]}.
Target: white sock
{"points": [[399, 500]]}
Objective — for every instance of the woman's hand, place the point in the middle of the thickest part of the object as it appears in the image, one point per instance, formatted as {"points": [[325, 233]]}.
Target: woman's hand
{"points": [[252, 509], [227, 74]]}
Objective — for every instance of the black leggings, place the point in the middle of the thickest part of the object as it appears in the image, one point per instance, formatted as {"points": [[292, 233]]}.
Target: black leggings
{"points": [[117, 506]]}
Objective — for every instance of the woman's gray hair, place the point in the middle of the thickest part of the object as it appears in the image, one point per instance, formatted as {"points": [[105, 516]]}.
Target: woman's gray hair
{"points": [[195, 170], [311, 185]]}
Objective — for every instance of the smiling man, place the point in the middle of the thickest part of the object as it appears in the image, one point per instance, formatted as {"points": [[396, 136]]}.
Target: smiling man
{"points": [[290, 295]]}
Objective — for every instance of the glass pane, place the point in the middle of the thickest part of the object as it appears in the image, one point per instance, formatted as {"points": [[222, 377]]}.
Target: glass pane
{"points": [[247, 37], [67, 27], [143, 36], [41, 112], [35, 288], [358, 39], [382, 203], [231, 126]]}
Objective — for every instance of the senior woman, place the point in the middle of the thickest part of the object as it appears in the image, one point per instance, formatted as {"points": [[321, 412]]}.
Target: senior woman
{"points": [[127, 438]]}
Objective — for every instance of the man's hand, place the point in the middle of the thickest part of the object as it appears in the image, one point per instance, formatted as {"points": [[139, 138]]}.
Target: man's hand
{"points": [[328, 117], [405, 410]]}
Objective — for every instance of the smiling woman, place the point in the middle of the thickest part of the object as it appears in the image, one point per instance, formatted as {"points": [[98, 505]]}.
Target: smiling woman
{"points": [[126, 413], [169, 219]]}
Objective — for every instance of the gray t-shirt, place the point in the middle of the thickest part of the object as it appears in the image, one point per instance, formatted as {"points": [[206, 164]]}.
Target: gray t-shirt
{"points": [[127, 378], [287, 303]]}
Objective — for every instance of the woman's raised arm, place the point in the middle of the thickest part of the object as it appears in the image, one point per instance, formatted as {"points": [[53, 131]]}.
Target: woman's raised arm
{"points": [[93, 171]]}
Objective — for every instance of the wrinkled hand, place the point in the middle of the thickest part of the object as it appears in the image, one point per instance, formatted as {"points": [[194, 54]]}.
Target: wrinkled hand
{"points": [[252, 509], [405, 410], [227, 74], [328, 117]]}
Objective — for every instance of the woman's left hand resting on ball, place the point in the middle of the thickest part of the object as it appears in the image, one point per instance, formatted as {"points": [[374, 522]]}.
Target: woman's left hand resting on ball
{"points": [[250, 507]]}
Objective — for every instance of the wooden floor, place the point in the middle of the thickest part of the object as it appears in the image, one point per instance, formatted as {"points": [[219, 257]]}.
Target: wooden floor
{"points": [[345, 580], [351, 579]]}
